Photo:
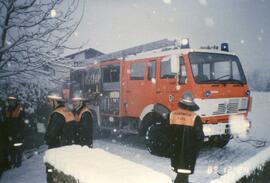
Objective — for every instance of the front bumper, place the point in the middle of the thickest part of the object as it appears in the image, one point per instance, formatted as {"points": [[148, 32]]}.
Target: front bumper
{"points": [[220, 129], [216, 129]]}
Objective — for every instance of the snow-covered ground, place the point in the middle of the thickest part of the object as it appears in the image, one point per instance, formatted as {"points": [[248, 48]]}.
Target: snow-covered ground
{"points": [[212, 163], [105, 166]]}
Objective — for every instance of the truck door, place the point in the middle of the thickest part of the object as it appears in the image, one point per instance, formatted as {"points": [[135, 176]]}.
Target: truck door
{"points": [[141, 86], [134, 89], [166, 83]]}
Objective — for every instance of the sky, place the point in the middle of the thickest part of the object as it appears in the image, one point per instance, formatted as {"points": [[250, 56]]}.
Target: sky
{"points": [[111, 25]]}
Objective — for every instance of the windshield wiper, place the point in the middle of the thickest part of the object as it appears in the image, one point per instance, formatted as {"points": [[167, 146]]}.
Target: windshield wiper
{"points": [[222, 77], [234, 81], [217, 80], [210, 81], [222, 81]]}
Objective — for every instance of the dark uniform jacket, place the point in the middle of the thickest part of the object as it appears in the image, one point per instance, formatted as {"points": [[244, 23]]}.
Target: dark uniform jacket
{"points": [[85, 129], [54, 131], [3, 144], [14, 125], [187, 133], [70, 129]]}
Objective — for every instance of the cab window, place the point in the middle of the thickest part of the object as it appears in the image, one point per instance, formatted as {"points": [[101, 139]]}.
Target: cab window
{"points": [[165, 69], [183, 72], [151, 70], [111, 73], [137, 71]]}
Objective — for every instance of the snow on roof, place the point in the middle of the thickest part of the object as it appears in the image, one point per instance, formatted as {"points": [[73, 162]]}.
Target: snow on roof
{"points": [[246, 168], [99, 166], [65, 66]]}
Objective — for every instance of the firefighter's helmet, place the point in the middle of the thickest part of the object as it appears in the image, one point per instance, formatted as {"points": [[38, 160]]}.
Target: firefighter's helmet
{"points": [[54, 95], [188, 100], [12, 97], [78, 96], [12, 100]]}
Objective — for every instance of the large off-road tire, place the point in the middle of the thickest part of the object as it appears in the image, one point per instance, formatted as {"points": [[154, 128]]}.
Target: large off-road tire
{"points": [[156, 132], [158, 141], [149, 119], [219, 141]]}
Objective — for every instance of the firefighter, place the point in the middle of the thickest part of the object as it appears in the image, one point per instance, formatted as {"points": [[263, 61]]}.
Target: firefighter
{"points": [[56, 134], [84, 118], [14, 129], [187, 137], [4, 165], [56, 121]]}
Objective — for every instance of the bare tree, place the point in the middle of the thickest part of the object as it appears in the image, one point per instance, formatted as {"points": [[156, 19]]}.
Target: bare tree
{"points": [[33, 32]]}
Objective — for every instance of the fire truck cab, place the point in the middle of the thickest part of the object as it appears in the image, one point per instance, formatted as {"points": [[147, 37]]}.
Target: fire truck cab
{"points": [[129, 94]]}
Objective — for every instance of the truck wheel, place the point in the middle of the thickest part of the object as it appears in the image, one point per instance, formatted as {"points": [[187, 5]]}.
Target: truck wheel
{"points": [[157, 140], [219, 141], [149, 119]]}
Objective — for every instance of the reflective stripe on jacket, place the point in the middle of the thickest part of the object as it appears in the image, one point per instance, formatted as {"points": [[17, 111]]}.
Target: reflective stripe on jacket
{"points": [[69, 117], [79, 116]]}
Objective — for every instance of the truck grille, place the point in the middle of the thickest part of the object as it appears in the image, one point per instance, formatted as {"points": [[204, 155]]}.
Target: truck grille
{"points": [[221, 109], [231, 106]]}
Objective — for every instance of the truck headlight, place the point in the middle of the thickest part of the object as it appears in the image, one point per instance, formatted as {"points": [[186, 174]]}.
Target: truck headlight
{"points": [[207, 130]]}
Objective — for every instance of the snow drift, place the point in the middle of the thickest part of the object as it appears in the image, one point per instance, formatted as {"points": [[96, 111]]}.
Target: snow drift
{"points": [[246, 169], [99, 166]]}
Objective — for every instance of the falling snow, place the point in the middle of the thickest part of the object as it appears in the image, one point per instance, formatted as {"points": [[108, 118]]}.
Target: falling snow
{"points": [[167, 1], [209, 22], [203, 2], [239, 125], [8, 43], [153, 80], [53, 13]]}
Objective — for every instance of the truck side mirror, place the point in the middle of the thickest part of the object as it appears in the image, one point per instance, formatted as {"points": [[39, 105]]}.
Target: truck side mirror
{"points": [[175, 67]]}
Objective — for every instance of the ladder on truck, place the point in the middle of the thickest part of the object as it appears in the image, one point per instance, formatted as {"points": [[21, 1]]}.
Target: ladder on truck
{"points": [[164, 43]]}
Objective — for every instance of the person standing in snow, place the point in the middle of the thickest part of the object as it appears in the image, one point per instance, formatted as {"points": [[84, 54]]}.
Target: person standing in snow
{"points": [[56, 135], [4, 165], [84, 118], [56, 121], [187, 137], [14, 129]]}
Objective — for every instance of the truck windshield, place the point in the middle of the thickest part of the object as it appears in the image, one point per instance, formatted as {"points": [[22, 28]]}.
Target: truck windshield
{"points": [[216, 68]]}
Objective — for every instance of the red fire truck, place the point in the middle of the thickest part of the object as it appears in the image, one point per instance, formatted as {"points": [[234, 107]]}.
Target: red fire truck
{"points": [[131, 93]]}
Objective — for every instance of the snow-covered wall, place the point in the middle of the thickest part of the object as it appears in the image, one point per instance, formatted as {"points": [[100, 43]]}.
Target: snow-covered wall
{"points": [[99, 166], [247, 168]]}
